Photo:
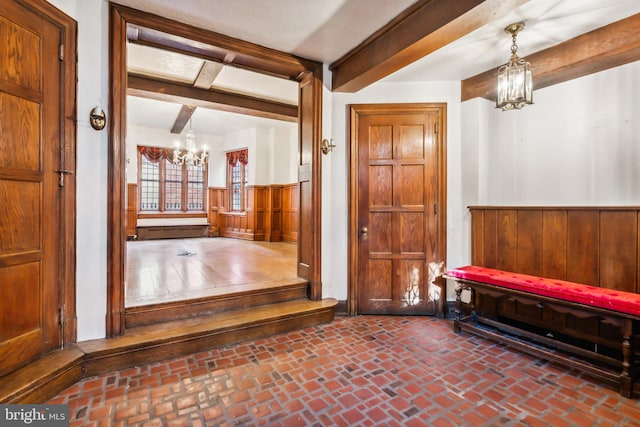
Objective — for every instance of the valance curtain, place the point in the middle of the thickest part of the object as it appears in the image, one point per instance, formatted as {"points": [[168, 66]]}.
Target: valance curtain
{"points": [[242, 156], [155, 154]]}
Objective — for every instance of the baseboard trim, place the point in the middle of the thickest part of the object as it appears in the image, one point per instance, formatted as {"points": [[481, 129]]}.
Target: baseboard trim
{"points": [[342, 309]]}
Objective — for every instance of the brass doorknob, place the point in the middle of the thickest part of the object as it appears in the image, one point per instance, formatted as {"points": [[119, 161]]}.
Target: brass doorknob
{"points": [[365, 230]]}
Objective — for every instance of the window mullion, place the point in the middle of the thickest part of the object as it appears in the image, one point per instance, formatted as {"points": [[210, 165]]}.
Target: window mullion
{"points": [[185, 186], [243, 189], [162, 185]]}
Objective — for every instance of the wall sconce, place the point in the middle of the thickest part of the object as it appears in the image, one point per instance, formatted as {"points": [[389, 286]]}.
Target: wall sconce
{"points": [[97, 118], [327, 146]]}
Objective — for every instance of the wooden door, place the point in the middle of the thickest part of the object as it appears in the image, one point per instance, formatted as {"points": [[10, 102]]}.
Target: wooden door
{"points": [[31, 254], [398, 181]]}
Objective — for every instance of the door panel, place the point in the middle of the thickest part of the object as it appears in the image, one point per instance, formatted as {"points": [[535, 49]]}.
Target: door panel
{"points": [[398, 177], [30, 140]]}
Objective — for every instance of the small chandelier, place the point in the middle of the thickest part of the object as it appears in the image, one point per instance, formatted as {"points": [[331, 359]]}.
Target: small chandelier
{"points": [[514, 77], [190, 156]]}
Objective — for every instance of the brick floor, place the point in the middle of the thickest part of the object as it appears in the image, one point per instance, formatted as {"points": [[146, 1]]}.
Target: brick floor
{"points": [[357, 371]]}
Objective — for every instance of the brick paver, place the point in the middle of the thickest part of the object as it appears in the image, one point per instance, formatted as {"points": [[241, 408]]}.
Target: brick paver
{"points": [[357, 371]]}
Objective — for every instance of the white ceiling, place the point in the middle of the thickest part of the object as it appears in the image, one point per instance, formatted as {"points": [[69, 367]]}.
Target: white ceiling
{"points": [[324, 30]]}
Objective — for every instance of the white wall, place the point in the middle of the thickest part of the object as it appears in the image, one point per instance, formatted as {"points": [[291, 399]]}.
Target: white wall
{"points": [[579, 144], [141, 135], [271, 151]]}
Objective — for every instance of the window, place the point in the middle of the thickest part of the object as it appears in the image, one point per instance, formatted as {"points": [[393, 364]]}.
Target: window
{"points": [[166, 187], [149, 185], [237, 178]]}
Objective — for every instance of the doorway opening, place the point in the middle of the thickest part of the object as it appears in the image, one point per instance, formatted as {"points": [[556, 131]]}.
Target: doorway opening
{"points": [[216, 52], [239, 180]]}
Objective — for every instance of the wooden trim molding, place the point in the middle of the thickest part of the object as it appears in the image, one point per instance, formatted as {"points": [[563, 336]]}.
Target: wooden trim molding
{"points": [[422, 29], [68, 29], [164, 33], [116, 220], [598, 50], [132, 209], [210, 98], [309, 182]]}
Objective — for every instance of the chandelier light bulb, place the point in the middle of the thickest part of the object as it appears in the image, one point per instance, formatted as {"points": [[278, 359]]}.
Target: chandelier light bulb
{"points": [[190, 154]]}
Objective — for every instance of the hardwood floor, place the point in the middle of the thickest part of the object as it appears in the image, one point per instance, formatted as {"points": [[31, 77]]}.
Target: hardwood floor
{"points": [[160, 271]]}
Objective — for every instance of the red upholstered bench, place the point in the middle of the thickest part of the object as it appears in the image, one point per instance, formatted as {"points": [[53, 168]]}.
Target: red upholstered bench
{"points": [[600, 325], [624, 302]]}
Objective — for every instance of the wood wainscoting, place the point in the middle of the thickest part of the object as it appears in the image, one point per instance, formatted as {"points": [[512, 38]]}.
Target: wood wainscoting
{"points": [[290, 213], [598, 246], [271, 214], [217, 205]]}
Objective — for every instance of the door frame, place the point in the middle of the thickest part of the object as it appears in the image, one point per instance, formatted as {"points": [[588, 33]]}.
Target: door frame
{"points": [[355, 112], [68, 30], [306, 72]]}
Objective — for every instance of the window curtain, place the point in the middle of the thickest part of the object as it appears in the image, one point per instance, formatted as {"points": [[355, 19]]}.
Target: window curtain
{"points": [[155, 154], [242, 156]]}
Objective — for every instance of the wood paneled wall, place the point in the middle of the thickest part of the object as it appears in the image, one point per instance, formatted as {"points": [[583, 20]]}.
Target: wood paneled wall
{"points": [[271, 214], [132, 209], [273, 232], [290, 213], [593, 245], [217, 203]]}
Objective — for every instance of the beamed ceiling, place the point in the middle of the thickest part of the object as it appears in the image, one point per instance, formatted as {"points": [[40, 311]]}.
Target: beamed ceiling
{"points": [[361, 41]]}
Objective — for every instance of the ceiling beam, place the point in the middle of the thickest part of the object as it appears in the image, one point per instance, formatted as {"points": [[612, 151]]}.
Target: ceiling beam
{"points": [[213, 98], [415, 33], [164, 33], [598, 50], [184, 115], [208, 74]]}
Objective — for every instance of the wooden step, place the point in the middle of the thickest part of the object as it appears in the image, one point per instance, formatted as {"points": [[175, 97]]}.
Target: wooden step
{"points": [[230, 297], [151, 343], [45, 378]]}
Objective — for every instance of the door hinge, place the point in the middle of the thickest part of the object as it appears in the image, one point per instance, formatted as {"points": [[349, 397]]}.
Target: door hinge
{"points": [[61, 173], [435, 209], [61, 52], [435, 127], [61, 321]]}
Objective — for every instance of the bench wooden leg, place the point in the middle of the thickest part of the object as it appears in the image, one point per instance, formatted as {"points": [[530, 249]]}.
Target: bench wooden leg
{"points": [[458, 313], [459, 316], [628, 374]]}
